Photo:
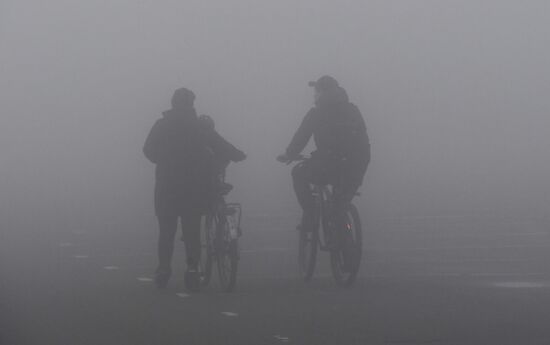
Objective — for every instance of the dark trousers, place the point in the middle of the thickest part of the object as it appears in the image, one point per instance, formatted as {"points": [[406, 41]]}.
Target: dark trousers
{"points": [[168, 224], [345, 176]]}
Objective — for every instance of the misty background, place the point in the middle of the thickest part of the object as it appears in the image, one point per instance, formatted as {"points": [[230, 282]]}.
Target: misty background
{"points": [[454, 94]]}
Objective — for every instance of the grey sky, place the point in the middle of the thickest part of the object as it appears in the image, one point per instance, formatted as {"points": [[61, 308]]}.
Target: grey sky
{"points": [[454, 94]]}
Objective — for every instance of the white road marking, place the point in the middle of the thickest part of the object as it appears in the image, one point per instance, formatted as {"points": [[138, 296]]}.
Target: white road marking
{"points": [[182, 295], [427, 275], [145, 279], [521, 285], [445, 261], [281, 338], [230, 314], [428, 249], [111, 268], [81, 256], [494, 274]]}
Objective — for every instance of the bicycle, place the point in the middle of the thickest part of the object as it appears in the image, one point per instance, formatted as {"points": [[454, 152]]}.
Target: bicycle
{"points": [[342, 239], [220, 231]]}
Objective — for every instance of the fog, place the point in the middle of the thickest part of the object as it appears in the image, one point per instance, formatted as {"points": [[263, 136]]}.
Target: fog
{"points": [[454, 95]]}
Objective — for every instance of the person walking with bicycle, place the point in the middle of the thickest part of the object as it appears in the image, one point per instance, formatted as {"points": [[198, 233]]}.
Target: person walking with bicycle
{"points": [[182, 151], [342, 148]]}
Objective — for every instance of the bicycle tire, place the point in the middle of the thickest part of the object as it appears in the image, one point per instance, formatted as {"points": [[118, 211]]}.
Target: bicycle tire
{"points": [[345, 258], [207, 252], [308, 247], [227, 257], [228, 266]]}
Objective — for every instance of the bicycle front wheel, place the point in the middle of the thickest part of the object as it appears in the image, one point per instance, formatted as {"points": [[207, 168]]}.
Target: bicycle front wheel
{"points": [[228, 260], [345, 257], [308, 245], [208, 231], [227, 257]]}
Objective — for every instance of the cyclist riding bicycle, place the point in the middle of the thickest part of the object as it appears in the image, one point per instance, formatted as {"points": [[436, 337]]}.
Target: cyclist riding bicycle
{"points": [[343, 148]]}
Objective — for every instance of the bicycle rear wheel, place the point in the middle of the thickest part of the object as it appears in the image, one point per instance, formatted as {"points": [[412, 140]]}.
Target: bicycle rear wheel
{"points": [[308, 245], [208, 230], [345, 258], [227, 257]]}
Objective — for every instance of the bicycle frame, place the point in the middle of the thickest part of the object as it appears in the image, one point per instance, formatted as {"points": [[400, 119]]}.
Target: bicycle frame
{"points": [[225, 214], [237, 208], [342, 240], [222, 231]]}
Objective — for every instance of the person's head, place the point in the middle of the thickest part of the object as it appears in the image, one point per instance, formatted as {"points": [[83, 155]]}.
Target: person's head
{"points": [[324, 86], [207, 122], [183, 99]]}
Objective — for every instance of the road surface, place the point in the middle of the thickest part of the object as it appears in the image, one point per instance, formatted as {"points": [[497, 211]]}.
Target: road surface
{"points": [[446, 280]]}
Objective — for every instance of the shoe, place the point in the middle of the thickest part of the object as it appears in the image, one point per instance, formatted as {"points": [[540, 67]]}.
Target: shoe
{"points": [[192, 280]]}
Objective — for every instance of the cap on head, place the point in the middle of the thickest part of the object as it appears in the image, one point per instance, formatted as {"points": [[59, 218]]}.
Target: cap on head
{"points": [[183, 98], [324, 83]]}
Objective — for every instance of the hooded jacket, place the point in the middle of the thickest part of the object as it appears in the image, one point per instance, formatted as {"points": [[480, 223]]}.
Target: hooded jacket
{"points": [[337, 127]]}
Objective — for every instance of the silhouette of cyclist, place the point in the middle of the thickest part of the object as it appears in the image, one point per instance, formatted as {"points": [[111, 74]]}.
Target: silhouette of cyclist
{"points": [[182, 149], [342, 148]]}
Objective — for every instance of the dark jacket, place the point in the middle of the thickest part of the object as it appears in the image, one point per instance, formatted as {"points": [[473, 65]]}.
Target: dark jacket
{"points": [[222, 150], [337, 127], [183, 151]]}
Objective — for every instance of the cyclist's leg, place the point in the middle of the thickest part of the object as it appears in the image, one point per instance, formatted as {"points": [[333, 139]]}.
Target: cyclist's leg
{"points": [[301, 178], [343, 175], [167, 229], [190, 223]]}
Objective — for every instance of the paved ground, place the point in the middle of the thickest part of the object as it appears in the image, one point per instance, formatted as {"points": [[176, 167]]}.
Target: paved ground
{"points": [[448, 280]]}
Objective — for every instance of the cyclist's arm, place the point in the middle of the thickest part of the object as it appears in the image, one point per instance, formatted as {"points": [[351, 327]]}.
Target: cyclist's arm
{"points": [[225, 149], [302, 136]]}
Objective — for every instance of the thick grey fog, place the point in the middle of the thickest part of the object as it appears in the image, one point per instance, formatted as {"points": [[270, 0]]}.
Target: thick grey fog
{"points": [[453, 93]]}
